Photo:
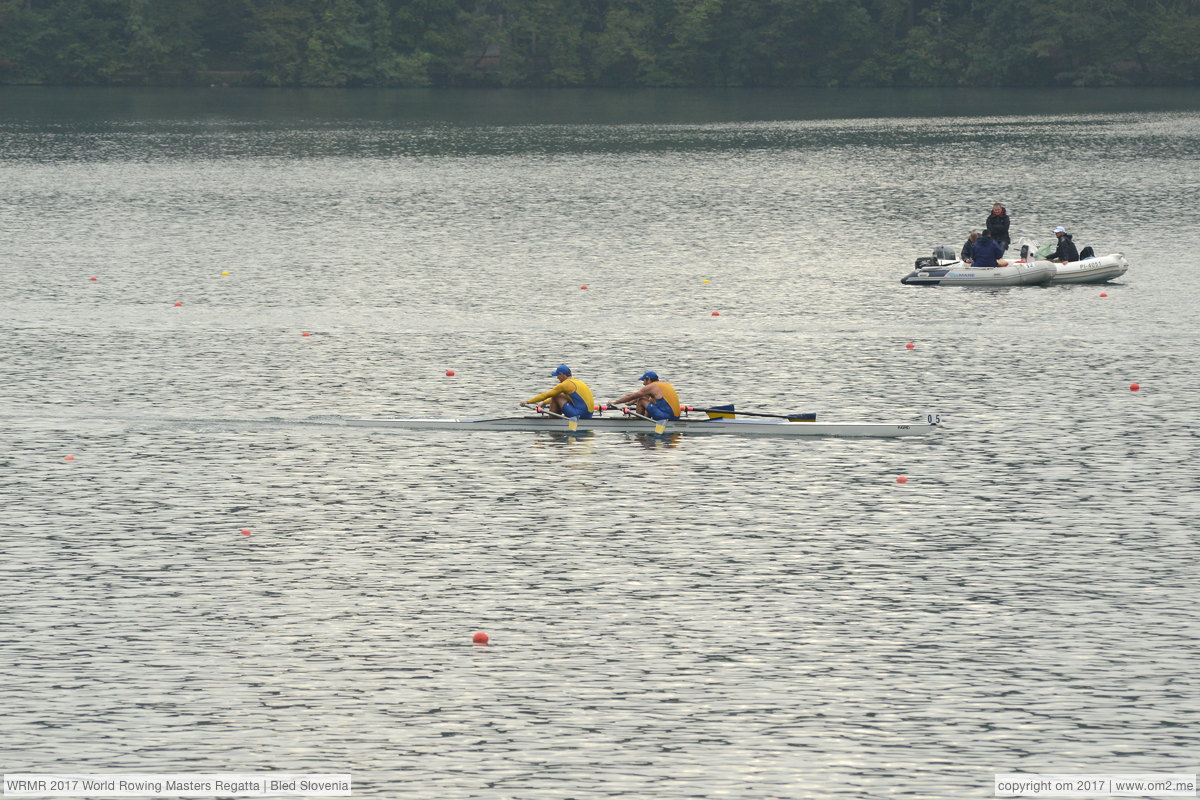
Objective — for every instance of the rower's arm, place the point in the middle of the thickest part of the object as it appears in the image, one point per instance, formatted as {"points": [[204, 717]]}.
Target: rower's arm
{"points": [[642, 392], [562, 388]]}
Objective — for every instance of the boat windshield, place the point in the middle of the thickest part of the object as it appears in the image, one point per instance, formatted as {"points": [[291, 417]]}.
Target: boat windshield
{"points": [[1028, 247], [945, 252]]}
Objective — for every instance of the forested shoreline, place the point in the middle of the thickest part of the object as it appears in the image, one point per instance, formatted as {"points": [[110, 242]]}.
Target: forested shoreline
{"points": [[600, 43]]}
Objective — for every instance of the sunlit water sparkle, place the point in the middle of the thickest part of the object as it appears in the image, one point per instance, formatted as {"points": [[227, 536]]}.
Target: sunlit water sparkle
{"points": [[669, 618]]}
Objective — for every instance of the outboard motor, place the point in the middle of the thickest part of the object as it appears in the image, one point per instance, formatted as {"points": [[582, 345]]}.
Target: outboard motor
{"points": [[941, 254], [1028, 248]]}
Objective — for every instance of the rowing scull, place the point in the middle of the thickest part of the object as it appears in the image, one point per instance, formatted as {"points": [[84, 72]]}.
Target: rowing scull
{"points": [[741, 427]]}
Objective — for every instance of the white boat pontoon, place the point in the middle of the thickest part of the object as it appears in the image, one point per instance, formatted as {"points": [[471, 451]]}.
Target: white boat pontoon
{"points": [[945, 269], [741, 427], [1097, 269]]}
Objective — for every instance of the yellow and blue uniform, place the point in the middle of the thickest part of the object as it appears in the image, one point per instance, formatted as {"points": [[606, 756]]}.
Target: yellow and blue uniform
{"points": [[579, 402], [666, 408]]}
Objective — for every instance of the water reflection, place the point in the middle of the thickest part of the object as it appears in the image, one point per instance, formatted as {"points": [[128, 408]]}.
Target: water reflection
{"points": [[656, 441], [568, 438]]}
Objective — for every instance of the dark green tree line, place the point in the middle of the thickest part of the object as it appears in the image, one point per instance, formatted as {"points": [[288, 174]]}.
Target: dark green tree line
{"points": [[548, 43]]}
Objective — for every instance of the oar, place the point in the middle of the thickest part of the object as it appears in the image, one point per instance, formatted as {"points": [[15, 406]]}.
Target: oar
{"points": [[727, 412], [572, 422], [660, 427]]}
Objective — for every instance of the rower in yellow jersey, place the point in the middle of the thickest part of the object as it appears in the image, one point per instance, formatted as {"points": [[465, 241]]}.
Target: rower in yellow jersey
{"points": [[656, 399], [571, 397]]}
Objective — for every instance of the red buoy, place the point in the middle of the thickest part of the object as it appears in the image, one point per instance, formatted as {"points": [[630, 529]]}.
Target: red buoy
{"points": [[93, 279], [449, 373], [901, 479], [480, 638], [245, 531], [68, 458], [1133, 387], [1104, 294], [909, 346], [177, 304], [583, 287], [716, 313], [305, 333]]}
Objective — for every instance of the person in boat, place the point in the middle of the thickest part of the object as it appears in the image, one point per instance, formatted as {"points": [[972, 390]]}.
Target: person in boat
{"points": [[986, 252], [997, 226], [1066, 250], [657, 399], [965, 255], [570, 397]]}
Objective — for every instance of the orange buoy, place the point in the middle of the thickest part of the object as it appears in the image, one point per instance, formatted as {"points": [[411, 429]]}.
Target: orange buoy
{"points": [[68, 458], [1133, 387], [178, 304], [901, 479], [480, 638]]}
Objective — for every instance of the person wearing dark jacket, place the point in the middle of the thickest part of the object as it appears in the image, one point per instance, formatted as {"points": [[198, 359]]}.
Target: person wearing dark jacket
{"points": [[986, 252], [965, 255], [997, 225], [1066, 251]]}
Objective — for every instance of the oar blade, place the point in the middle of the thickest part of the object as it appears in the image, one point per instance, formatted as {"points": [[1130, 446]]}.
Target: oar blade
{"points": [[721, 412]]}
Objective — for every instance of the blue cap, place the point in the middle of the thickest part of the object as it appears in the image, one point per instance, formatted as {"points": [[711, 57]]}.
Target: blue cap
{"points": [[649, 374], [563, 369]]}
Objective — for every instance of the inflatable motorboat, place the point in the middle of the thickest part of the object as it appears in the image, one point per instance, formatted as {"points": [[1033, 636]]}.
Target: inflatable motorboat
{"points": [[945, 268], [1090, 268]]}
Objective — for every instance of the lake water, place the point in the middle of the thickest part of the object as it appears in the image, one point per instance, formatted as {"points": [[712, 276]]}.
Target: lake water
{"points": [[669, 618]]}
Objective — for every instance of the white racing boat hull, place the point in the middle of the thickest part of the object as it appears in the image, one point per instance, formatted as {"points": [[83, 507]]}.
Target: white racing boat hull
{"points": [[956, 273], [741, 427], [1097, 269]]}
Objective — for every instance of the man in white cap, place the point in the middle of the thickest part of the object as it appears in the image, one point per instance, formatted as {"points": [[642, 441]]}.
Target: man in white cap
{"points": [[1066, 251]]}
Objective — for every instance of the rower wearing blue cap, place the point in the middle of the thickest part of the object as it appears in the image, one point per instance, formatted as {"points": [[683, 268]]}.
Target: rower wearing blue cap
{"points": [[656, 399], [571, 397]]}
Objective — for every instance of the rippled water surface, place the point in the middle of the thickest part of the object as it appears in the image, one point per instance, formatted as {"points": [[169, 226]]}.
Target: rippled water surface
{"points": [[699, 617]]}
